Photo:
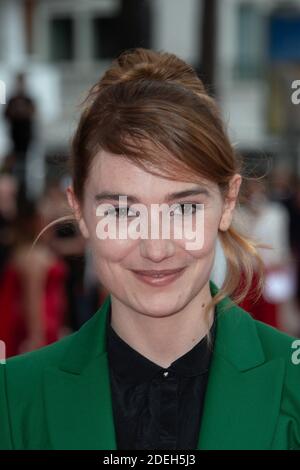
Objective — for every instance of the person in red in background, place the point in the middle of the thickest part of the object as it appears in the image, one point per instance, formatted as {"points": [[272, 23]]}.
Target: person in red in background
{"points": [[8, 214], [267, 223], [32, 289]]}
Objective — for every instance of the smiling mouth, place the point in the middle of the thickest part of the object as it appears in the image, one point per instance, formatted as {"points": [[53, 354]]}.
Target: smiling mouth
{"points": [[158, 278], [158, 273]]}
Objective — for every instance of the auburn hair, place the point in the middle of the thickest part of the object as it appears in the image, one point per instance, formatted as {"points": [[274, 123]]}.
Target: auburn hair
{"points": [[152, 108]]}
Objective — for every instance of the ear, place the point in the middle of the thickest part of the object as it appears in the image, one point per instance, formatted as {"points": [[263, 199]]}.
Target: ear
{"points": [[230, 202], [75, 206]]}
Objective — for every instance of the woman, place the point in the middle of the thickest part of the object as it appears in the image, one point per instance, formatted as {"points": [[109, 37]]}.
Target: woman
{"points": [[168, 361]]}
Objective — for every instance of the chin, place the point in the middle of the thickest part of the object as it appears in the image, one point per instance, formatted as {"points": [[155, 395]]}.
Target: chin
{"points": [[159, 307]]}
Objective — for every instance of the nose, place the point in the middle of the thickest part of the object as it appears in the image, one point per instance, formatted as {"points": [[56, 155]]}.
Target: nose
{"points": [[156, 250]]}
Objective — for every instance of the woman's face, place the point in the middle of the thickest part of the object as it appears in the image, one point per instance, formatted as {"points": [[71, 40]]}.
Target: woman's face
{"points": [[121, 263]]}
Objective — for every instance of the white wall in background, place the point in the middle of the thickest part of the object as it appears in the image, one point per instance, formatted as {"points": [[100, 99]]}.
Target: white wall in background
{"points": [[176, 27], [12, 33]]}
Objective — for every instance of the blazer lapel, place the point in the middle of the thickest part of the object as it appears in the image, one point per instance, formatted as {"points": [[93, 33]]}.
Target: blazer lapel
{"points": [[244, 390], [78, 396]]}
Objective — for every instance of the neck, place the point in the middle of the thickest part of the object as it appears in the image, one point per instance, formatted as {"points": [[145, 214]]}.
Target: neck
{"points": [[164, 339]]}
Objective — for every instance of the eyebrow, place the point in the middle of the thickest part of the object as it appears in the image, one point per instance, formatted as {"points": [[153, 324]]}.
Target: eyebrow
{"points": [[170, 196]]}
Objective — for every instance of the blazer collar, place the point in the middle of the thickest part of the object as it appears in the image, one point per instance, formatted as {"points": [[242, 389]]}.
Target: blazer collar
{"points": [[241, 388]]}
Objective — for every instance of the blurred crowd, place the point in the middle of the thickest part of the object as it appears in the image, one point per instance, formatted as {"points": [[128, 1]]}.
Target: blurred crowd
{"points": [[270, 214], [48, 287]]}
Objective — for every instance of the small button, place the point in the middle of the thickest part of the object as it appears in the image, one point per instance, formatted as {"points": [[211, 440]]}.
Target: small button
{"points": [[166, 373]]}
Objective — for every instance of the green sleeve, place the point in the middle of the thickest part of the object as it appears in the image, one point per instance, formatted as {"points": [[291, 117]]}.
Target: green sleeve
{"points": [[5, 433]]}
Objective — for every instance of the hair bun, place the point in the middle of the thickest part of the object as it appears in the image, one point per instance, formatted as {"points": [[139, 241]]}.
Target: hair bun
{"points": [[144, 64], [142, 71]]}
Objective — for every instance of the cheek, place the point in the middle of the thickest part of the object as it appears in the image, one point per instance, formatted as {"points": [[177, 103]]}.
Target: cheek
{"points": [[108, 249], [205, 237], [113, 251], [108, 258]]}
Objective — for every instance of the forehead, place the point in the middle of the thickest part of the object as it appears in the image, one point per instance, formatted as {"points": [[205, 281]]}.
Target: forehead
{"points": [[110, 172]]}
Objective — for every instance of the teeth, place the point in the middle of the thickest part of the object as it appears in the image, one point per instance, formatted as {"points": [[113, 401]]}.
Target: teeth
{"points": [[159, 275]]}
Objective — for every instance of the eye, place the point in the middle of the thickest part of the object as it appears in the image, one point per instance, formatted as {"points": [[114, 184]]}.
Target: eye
{"points": [[122, 212], [186, 208]]}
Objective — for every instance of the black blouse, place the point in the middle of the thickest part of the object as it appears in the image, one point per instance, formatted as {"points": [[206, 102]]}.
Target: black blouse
{"points": [[153, 407]]}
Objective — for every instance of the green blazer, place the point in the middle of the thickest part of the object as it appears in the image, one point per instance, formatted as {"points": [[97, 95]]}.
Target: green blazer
{"points": [[59, 397]]}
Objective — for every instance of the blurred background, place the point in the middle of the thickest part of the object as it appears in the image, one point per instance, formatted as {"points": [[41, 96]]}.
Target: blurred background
{"points": [[51, 52]]}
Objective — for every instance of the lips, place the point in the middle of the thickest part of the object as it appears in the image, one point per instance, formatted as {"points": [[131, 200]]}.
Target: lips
{"points": [[158, 278], [158, 273]]}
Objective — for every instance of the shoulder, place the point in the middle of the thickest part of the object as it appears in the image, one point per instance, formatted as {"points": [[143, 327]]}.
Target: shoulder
{"points": [[250, 346], [72, 352], [277, 344], [21, 392], [246, 341], [24, 372], [274, 341], [24, 382], [282, 349]]}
